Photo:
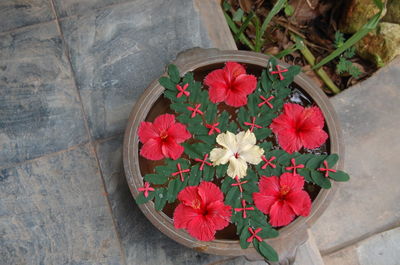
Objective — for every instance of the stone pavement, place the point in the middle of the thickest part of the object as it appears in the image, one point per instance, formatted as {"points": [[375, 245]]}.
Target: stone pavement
{"points": [[70, 72]]}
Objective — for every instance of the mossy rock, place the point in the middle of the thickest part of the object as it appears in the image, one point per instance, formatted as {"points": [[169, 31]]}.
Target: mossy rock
{"points": [[393, 12], [381, 45], [357, 13]]}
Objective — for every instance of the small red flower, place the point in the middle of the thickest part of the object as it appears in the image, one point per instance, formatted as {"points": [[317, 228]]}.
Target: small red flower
{"points": [[202, 211], [282, 198], [230, 84], [298, 126], [162, 138]]}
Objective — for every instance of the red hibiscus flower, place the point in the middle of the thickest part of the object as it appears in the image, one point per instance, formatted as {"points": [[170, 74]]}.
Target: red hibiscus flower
{"points": [[202, 211], [230, 84], [282, 198], [162, 138], [298, 126]]}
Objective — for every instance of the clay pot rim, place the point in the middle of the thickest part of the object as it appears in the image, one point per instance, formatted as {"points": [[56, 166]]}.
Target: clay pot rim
{"points": [[187, 62]]}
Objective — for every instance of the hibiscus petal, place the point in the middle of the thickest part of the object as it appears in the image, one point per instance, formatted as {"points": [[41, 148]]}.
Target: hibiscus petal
{"points": [[293, 111], [294, 182], [313, 117], [183, 215], [300, 202], [152, 150], [189, 196], [209, 192], [228, 140], [217, 84], [179, 132], [246, 138], [244, 84], [219, 214], [264, 202], [234, 69], [220, 156], [269, 185], [237, 167], [313, 138], [147, 131], [235, 99], [171, 149], [252, 155], [201, 229], [163, 122], [289, 141], [281, 214]]}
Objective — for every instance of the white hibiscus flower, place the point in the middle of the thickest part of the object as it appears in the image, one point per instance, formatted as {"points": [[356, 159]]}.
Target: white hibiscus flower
{"points": [[238, 150]]}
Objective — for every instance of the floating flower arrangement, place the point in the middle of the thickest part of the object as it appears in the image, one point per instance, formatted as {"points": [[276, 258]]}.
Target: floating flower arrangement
{"points": [[236, 150]]}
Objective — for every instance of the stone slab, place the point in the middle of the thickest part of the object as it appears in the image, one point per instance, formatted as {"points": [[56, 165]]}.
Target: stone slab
{"points": [[143, 243], [369, 113], [20, 13], [383, 248], [116, 52], [79, 7], [40, 112], [53, 211]]}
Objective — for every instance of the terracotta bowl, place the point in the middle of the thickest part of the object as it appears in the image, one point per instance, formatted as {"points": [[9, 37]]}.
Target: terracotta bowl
{"points": [[151, 104]]}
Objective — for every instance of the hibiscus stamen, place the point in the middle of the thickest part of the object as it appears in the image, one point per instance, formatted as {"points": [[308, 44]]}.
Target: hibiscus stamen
{"points": [[195, 110], [213, 127], [236, 155], [284, 190], [279, 72], [182, 90], [239, 183], [244, 209], [254, 234], [326, 169], [266, 101], [163, 135], [294, 166], [146, 188], [203, 162], [268, 162], [180, 171], [252, 124]]}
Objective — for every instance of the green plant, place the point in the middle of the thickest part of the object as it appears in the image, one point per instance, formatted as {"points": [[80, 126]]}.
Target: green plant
{"points": [[344, 65], [370, 25]]}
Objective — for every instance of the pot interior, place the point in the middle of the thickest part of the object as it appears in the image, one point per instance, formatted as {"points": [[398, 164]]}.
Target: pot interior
{"points": [[161, 106]]}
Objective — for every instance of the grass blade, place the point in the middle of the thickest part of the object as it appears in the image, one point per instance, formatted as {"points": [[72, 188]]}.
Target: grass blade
{"points": [[275, 10], [242, 38], [244, 25]]}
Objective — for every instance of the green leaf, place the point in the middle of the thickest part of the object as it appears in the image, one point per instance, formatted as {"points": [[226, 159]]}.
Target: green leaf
{"points": [[252, 104], [232, 127], [339, 176], [226, 184], [238, 15], [320, 180], [167, 83], [180, 107], [226, 6], [244, 235], [332, 160], [160, 199], [140, 199], [196, 150], [156, 179], [315, 162], [289, 10], [220, 171], [223, 121], [211, 113], [233, 196], [195, 176], [208, 173], [262, 133], [266, 251], [173, 189], [242, 116], [305, 173], [173, 73], [265, 82]]}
